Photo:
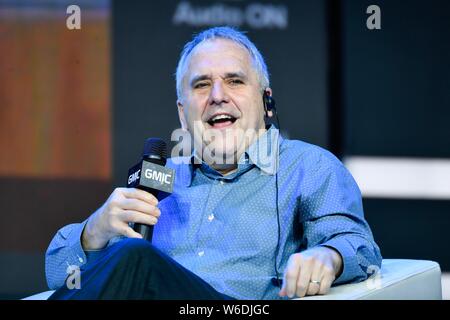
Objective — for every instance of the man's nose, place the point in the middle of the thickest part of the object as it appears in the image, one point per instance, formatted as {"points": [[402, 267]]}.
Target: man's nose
{"points": [[218, 94]]}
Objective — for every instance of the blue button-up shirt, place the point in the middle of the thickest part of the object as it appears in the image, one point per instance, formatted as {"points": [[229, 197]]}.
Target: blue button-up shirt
{"points": [[225, 230]]}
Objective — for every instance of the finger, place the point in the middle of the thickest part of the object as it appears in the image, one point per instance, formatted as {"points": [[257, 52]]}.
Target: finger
{"points": [[314, 287], [325, 284], [130, 233], [137, 217], [141, 206], [145, 196], [291, 275], [304, 278], [283, 292]]}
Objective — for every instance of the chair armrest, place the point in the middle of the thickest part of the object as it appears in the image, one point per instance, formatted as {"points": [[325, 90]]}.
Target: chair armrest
{"points": [[398, 279], [40, 296]]}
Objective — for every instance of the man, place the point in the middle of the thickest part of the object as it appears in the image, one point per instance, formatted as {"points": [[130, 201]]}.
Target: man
{"points": [[236, 226]]}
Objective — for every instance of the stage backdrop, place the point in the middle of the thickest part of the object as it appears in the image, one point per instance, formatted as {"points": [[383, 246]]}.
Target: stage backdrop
{"points": [[396, 102], [55, 138]]}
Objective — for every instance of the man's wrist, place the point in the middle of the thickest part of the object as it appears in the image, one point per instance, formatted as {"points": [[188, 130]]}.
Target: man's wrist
{"points": [[90, 240]]}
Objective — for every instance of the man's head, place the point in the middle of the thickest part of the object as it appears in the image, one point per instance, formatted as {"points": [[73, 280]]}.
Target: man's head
{"points": [[221, 78]]}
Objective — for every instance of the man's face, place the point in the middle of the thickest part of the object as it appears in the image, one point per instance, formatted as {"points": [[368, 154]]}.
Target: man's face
{"points": [[221, 96]]}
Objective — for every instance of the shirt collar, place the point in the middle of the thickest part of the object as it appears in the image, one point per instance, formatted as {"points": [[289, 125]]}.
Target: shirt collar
{"points": [[263, 153]]}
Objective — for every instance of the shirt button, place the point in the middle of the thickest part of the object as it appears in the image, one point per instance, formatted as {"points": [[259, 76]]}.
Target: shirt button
{"points": [[201, 253], [211, 217], [80, 259], [222, 182]]}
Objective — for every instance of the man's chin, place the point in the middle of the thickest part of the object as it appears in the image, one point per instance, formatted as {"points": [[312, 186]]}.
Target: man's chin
{"points": [[220, 156]]}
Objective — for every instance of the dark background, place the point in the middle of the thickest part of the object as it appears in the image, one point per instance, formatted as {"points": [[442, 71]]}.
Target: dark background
{"points": [[354, 91], [396, 102]]}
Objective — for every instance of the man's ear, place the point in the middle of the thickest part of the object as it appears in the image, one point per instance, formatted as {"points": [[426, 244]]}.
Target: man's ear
{"points": [[181, 115]]}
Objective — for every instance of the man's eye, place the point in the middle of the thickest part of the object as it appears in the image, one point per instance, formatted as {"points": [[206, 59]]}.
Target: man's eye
{"points": [[236, 81], [200, 85]]}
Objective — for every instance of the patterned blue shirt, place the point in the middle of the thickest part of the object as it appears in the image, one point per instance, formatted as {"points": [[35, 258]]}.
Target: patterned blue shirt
{"points": [[225, 230]]}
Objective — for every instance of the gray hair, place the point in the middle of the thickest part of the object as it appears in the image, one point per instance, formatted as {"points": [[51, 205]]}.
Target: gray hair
{"points": [[224, 33]]}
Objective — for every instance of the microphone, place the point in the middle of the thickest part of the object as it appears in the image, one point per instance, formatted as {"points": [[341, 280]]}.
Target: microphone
{"points": [[151, 175]]}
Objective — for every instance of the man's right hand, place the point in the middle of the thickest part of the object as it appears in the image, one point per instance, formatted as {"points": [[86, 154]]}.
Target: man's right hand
{"points": [[123, 206]]}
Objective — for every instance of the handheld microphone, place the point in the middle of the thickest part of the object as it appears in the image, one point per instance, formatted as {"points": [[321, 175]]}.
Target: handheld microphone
{"points": [[151, 175]]}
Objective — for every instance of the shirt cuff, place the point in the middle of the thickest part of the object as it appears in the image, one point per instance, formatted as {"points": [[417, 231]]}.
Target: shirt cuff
{"points": [[76, 254], [350, 265]]}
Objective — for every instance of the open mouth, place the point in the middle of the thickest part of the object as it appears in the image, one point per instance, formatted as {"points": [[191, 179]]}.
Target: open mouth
{"points": [[221, 120]]}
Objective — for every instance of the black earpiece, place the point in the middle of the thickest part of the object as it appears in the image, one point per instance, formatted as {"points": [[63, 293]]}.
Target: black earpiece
{"points": [[269, 103]]}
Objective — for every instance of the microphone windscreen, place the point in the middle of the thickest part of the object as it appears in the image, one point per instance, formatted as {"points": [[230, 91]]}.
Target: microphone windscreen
{"points": [[155, 147]]}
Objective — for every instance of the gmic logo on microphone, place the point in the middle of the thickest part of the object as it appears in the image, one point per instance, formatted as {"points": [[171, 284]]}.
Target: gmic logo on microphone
{"points": [[133, 177], [150, 175]]}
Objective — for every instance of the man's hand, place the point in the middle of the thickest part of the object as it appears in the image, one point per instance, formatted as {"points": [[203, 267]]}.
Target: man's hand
{"points": [[123, 206], [311, 272]]}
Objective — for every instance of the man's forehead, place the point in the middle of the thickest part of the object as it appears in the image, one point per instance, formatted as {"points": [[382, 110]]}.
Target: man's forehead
{"points": [[224, 55]]}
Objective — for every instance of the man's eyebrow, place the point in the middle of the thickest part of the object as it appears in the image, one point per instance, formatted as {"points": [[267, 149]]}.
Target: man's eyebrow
{"points": [[240, 75]]}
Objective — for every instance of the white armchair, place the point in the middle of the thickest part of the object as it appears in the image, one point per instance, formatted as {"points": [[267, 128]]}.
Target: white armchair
{"points": [[397, 280]]}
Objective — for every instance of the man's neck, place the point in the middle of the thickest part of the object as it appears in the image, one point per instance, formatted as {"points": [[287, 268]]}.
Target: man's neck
{"points": [[229, 168], [225, 169]]}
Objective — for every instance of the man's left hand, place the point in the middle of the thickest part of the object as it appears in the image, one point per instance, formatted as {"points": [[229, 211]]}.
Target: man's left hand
{"points": [[311, 272]]}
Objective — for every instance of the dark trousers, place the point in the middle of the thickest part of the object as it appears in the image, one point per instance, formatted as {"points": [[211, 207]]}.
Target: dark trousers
{"points": [[134, 269]]}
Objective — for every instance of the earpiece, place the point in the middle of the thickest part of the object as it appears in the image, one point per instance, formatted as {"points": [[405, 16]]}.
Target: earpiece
{"points": [[269, 103]]}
